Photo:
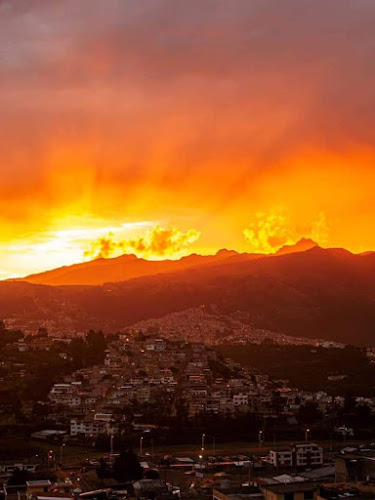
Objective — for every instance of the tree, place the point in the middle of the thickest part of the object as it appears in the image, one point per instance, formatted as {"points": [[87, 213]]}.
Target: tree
{"points": [[349, 402], [123, 419], [127, 466], [309, 413], [363, 414], [42, 332], [152, 474], [41, 410], [277, 402], [102, 471], [96, 346], [19, 477]]}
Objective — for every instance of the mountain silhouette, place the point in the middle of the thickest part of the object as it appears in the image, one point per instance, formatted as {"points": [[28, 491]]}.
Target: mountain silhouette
{"points": [[126, 267], [317, 293]]}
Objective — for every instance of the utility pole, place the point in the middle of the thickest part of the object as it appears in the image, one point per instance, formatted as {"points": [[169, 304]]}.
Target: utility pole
{"points": [[260, 439], [49, 458], [202, 447], [307, 432], [61, 453], [249, 478]]}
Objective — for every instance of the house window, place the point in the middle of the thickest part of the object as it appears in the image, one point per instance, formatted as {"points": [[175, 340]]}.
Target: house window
{"points": [[308, 495], [289, 496]]}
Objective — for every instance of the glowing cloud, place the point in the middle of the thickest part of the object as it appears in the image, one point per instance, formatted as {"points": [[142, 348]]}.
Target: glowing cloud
{"points": [[268, 232], [184, 114], [157, 243]]}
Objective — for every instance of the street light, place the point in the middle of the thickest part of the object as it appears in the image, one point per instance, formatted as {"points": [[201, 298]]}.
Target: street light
{"points": [[203, 436], [260, 438], [140, 446], [112, 437], [61, 453], [49, 457], [307, 432]]}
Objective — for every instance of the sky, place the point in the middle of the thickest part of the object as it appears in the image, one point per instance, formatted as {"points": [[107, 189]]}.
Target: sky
{"points": [[167, 127]]}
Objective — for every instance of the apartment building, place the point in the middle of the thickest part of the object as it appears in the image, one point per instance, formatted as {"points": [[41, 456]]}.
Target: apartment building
{"points": [[297, 455]]}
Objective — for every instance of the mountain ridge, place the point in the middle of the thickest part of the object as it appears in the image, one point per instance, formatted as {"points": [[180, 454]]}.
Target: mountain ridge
{"points": [[318, 293], [128, 266]]}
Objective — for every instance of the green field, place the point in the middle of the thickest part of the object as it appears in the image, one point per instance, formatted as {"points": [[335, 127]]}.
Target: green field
{"points": [[74, 456]]}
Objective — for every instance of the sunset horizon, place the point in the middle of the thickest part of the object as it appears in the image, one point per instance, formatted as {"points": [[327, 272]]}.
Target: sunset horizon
{"points": [[107, 248], [245, 125], [187, 249]]}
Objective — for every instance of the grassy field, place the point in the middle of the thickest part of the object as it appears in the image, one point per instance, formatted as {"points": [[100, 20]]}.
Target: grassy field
{"points": [[75, 456], [239, 447]]}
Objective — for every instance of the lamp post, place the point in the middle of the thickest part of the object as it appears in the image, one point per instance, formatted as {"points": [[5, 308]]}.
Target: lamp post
{"points": [[260, 438], [49, 458], [249, 471], [307, 432], [111, 443], [61, 453], [140, 446], [200, 467], [202, 447]]}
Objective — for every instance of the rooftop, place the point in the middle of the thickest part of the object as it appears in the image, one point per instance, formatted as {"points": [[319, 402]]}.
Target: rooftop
{"points": [[355, 490], [291, 487], [40, 482]]}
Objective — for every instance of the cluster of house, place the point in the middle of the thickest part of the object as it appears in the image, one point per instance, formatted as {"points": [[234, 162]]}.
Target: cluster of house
{"points": [[41, 489], [308, 475], [209, 322], [151, 371], [45, 489], [301, 472]]}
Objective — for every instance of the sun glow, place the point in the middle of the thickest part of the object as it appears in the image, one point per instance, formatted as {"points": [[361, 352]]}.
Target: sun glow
{"points": [[58, 247], [255, 134]]}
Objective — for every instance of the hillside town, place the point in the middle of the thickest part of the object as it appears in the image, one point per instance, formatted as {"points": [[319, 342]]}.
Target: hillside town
{"points": [[88, 403], [217, 328]]}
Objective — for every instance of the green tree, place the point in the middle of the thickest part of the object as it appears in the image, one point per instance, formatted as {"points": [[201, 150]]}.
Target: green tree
{"points": [[102, 471], [19, 477], [349, 402], [309, 413], [42, 332], [127, 466], [152, 474]]}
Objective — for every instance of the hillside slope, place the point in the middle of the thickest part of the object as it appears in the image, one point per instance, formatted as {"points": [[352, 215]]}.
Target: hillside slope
{"points": [[319, 293]]}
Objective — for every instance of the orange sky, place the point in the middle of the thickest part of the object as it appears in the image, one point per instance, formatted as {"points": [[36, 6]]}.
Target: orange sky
{"points": [[166, 127]]}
